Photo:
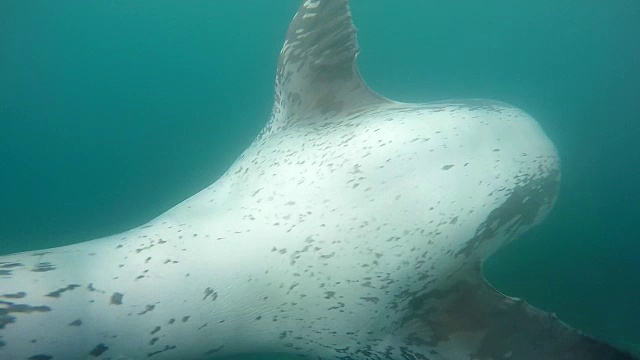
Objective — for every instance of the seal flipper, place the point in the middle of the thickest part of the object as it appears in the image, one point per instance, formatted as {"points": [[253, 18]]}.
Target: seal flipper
{"points": [[317, 76], [471, 320]]}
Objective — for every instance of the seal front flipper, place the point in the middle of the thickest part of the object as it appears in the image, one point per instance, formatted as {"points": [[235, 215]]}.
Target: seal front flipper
{"points": [[471, 320]]}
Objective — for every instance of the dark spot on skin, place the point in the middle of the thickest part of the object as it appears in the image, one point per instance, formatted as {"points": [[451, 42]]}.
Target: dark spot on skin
{"points": [[496, 150], [213, 351], [210, 292], [329, 294], [171, 321], [43, 267], [41, 253], [98, 350], [77, 322], [155, 330], [447, 167], [41, 357], [324, 257], [453, 221], [371, 299], [185, 319], [116, 298], [19, 295], [138, 251], [9, 308], [57, 293], [259, 318], [6, 320], [153, 341], [10, 265], [148, 308], [166, 348]]}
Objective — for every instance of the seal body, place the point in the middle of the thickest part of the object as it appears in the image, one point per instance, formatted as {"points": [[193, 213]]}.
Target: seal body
{"points": [[353, 227]]}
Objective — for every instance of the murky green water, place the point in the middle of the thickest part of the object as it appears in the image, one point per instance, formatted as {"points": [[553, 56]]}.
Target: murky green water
{"points": [[112, 112]]}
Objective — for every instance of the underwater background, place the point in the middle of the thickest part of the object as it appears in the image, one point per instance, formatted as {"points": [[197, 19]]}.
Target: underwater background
{"points": [[112, 112]]}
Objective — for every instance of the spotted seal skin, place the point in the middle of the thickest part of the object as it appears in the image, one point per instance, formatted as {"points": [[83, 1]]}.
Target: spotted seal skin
{"points": [[352, 228]]}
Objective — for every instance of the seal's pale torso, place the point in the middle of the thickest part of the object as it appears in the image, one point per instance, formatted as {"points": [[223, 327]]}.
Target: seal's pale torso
{"points": [[353, 228]]}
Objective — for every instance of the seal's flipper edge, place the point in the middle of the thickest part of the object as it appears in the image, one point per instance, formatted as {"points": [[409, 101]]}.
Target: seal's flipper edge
{"points": [[471, 320]]}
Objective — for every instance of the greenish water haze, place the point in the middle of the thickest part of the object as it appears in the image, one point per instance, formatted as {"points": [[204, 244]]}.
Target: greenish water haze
{"points": [[112, 112]]}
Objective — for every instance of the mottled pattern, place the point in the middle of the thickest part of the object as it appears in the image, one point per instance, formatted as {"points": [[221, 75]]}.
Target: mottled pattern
{"points": [[352, 228]]}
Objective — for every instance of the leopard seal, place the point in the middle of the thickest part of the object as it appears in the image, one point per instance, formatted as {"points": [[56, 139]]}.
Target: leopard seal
{"points": [[354, 227]]}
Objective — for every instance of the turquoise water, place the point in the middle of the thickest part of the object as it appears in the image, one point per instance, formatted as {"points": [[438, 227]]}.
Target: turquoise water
{"points": [[112, 112]]}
